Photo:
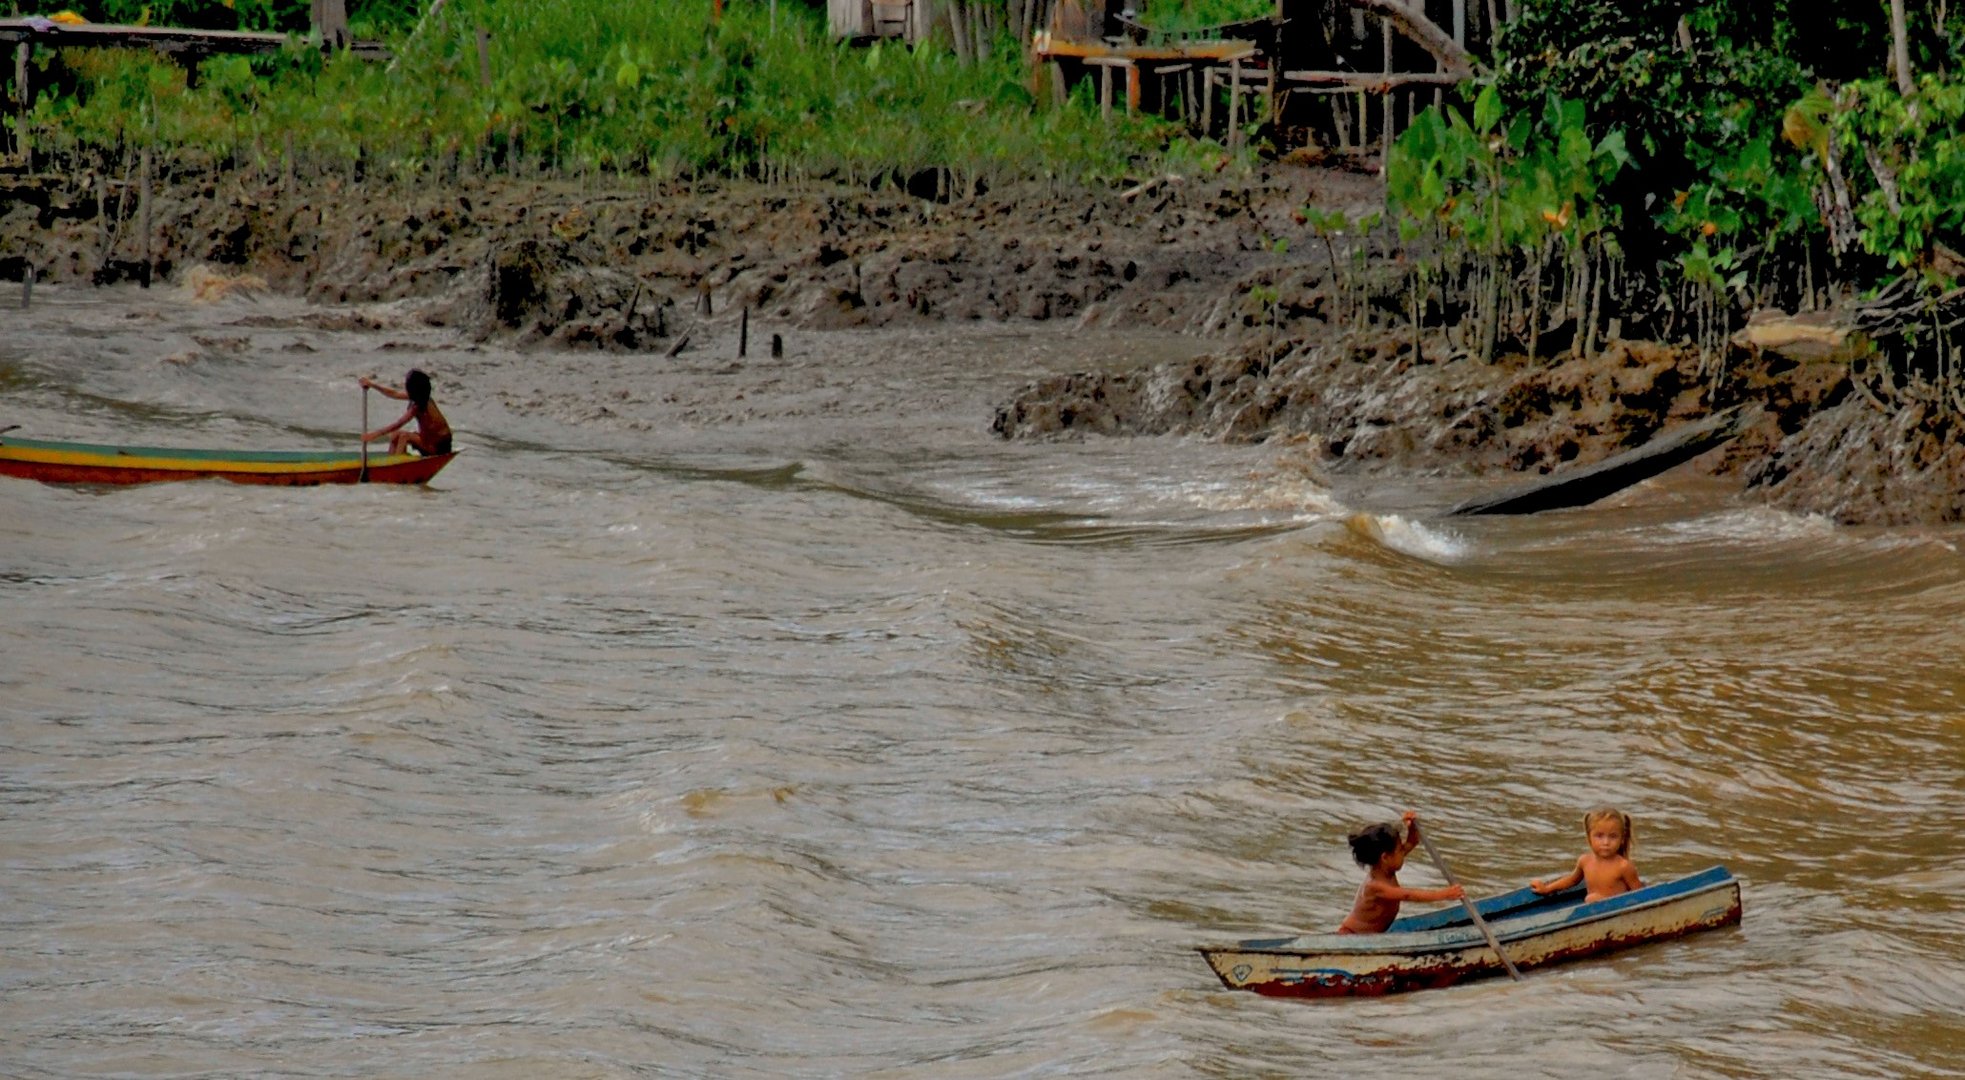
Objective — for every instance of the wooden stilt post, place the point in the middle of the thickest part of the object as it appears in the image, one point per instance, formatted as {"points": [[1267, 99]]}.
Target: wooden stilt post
{"points": [[23, 97], [1385, 34], [330, 21], [484, 58], [1132, 88], [1105, 92], [143, 201], [1235, 105]]}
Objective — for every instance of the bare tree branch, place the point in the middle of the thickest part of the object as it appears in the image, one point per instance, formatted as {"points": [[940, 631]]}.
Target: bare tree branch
{"points": [[1414, 24]]}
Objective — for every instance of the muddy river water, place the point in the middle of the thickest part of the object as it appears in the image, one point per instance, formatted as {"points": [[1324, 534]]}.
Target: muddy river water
{"points": [[713, 718]]}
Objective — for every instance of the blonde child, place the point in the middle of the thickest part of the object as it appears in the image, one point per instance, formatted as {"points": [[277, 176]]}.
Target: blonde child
{"points": [[1382, 852], [1606, 869]]}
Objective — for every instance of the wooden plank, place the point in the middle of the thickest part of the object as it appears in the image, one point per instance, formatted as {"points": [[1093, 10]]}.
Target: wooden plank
{"points": [[164, 39], [1218, 51], [1374, 82]]}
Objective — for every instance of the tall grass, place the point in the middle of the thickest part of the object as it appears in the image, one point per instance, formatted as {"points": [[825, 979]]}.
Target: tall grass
{"points": [[662, 90]]}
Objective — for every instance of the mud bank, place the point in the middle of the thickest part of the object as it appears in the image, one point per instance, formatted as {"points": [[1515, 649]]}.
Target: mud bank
{"points": [[1832, 439], [568, 268]]}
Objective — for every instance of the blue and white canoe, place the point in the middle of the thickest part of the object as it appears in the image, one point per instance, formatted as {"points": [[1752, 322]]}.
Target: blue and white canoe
{"points": [[1441, 948]]}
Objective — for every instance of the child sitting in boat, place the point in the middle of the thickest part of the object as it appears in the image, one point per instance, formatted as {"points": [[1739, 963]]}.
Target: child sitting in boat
{"points": [[432, 434], [1381, 850], [1606, 869]]}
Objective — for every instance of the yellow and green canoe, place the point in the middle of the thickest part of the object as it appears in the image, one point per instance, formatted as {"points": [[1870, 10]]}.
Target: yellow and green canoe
{"points": [[91, 463]]}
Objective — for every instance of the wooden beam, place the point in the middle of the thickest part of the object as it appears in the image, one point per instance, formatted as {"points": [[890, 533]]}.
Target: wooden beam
{"points": [[1217, 51], [1371, 81], [165, 39]]}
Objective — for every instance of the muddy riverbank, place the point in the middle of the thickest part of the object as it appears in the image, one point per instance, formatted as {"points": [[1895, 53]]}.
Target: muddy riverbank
{"points": [[567, 268]]}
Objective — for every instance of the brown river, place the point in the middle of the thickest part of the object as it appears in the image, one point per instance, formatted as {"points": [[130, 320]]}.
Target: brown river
{"points": [[711, 717]]}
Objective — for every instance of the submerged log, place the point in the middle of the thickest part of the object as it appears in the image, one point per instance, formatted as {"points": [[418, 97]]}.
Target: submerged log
{"points": [[1585, 485]]}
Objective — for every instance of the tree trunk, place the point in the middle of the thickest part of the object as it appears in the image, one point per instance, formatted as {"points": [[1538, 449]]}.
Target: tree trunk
{"points": [[1900, 48], [957, 28]]}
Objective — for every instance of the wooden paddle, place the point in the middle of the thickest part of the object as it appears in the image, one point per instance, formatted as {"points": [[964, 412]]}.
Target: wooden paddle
{"points": [[362, 477], [1467, 902]]}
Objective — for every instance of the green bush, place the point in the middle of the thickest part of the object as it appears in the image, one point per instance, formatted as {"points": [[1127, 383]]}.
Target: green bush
{"points": [[659, 89]]}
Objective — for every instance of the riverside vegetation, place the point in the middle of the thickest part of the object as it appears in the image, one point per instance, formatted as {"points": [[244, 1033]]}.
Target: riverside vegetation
{"points": [[1631, 214]]}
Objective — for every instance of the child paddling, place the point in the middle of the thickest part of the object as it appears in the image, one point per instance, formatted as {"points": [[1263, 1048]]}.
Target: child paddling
{"points": [[432, 434], [1382, 851]]}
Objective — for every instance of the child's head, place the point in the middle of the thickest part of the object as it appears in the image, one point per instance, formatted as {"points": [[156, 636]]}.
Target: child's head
{"points": [[1605, 820], [417, 386], [1374, 842]]}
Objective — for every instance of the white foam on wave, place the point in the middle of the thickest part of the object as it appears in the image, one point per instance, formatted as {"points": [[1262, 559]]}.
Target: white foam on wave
{"points": [[1409, 537], [1299, 497], [1758, 524]]}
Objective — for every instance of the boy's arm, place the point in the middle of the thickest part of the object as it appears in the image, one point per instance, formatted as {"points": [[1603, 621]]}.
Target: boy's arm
{"points": [[1451, 892], [1411, 840], [406, 417], [1559, 884], [1630, 876], [1385, 891], [369, 383]]}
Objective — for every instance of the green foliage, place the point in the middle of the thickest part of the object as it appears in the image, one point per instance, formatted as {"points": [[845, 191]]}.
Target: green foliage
{"points": [[1188, 16], [1906, 156], [1504, 185], [663, 89], [1700, 124], [1726, 166]]}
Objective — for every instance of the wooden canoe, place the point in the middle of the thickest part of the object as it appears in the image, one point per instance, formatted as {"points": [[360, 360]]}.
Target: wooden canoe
{"points": [[1442, 948], [89, 463]]}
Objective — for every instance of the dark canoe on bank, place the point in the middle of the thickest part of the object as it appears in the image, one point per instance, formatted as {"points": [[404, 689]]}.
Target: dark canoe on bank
{"points": [[1443, 948], [89, 463], [1586, 484]]}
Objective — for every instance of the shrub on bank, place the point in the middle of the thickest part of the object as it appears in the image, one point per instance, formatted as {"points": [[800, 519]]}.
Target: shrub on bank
{"points": [[663, 90]]}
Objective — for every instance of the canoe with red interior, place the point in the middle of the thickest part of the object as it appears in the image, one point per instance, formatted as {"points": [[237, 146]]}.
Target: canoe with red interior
{"points": [[91, 463]]}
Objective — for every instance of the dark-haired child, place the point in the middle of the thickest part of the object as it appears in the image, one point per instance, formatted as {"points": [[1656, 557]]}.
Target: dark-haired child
{"points": [[1382, 850], [432, 434]]}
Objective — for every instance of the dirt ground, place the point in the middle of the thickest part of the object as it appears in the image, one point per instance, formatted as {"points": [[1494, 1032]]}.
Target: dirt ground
{"points": [[568, 267]]}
